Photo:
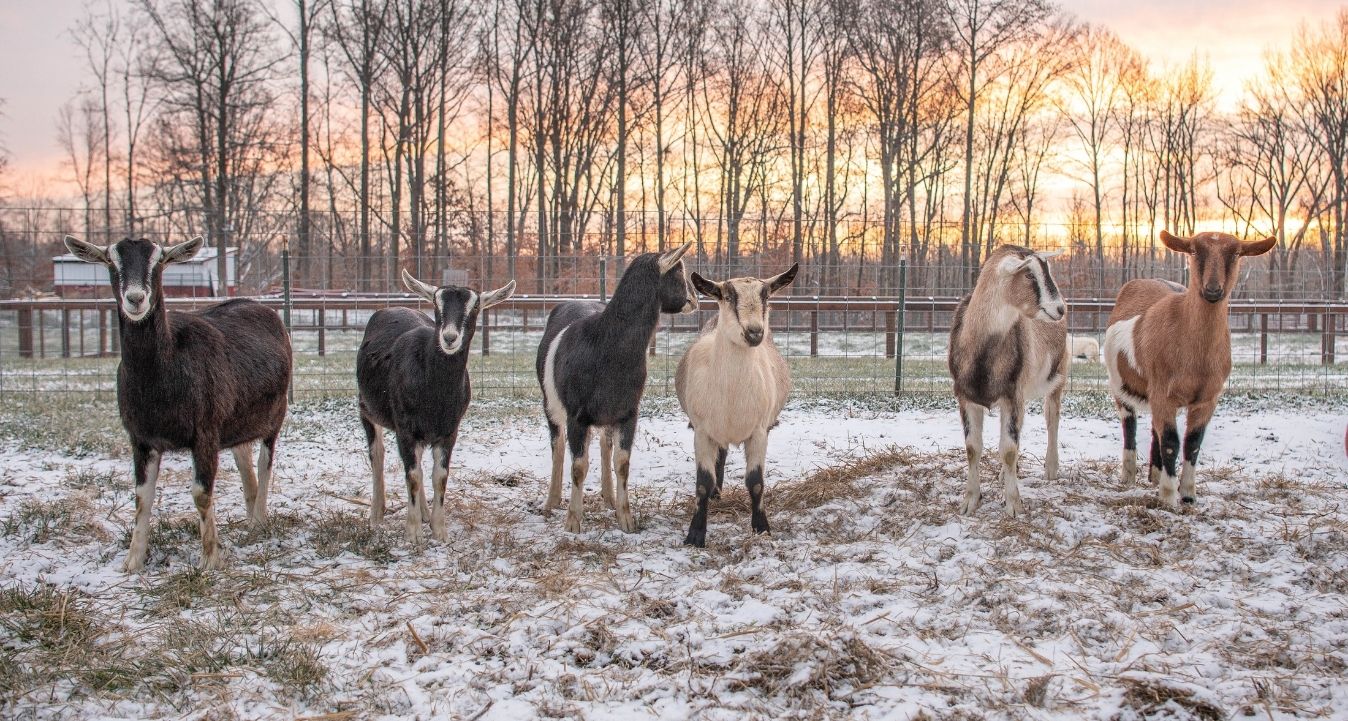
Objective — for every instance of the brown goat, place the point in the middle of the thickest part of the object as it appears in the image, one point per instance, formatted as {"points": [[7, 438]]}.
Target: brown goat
{"points": [[1168, 347]]}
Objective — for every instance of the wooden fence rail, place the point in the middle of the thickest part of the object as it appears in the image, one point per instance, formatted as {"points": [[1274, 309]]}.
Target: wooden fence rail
{"points": [[524, 313]]}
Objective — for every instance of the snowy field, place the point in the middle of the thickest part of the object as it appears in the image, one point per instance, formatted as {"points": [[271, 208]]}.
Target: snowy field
{"points": [[871, 599]]}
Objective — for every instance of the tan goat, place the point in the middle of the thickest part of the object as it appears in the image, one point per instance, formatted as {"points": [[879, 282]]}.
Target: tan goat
{"points": [[1168, 347], [1008, 345], [732, 383]]}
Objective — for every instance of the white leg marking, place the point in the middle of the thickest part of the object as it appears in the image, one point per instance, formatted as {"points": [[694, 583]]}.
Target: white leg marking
{"points": [[439, 477], [140, 533], [243, 460], [264, 461], [1052, 411], [1186, 481], [377, 470], [416, 498], [606, 436], [973, 449], [580, 467], [622, 504], [1010, 453], [210, 539]]}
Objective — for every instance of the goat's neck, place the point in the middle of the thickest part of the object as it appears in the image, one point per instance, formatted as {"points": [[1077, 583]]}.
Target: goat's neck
{"points": [[440, 366], [988, 314], [632, 314], [149, 341], [726, 344], [1201, 319]]}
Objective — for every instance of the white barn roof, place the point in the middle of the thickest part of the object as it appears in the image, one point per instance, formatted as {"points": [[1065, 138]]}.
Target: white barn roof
{"points": [[199, 272]]}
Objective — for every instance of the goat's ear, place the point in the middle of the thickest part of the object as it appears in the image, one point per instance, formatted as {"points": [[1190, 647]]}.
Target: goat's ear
{"points": [[425, 290], [1050, 254], [706, 287], [781, 280], [670, 259], [1258, 247], [1013, 264], [182, 251], [86, 251], [1176, 243], [500, 295]]}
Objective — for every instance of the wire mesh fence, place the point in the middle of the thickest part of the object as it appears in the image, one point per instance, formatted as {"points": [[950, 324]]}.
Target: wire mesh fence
{"points": [[837, 346]]}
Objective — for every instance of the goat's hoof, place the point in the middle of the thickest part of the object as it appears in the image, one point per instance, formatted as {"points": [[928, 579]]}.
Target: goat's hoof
{"points": [[572, 524], [133, 564], [414, 536], [760, 524], [439, 533], [376, 518], [628, 523], [715, 493], [697, 537], [212, 562], [1014, 509], [970, 505], [1189, 500]]}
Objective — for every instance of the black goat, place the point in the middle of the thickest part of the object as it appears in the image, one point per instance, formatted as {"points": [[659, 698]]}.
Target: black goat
{"points": [[591, 366], [413, 378], [203, 381]]}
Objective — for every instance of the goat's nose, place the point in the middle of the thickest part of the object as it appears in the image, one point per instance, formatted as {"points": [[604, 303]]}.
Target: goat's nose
{"points": [[753, 336], [1212, 293], [135, 297], [450, 336]]}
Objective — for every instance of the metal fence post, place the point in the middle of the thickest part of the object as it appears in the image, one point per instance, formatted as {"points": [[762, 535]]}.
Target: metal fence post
{"points": [[603, 279], [898, 343], [285, 295]]}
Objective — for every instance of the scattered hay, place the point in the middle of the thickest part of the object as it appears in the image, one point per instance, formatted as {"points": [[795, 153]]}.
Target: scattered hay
{"points": [[38, 521], [1146, 698], [805, 666], [824, 485], [337, 532]]}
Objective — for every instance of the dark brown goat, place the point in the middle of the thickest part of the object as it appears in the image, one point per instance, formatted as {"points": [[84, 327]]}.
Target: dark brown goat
{"points": [[202, 381]]}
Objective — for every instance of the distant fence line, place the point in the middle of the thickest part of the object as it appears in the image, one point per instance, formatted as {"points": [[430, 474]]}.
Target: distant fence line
{"points": [[864, 342]]}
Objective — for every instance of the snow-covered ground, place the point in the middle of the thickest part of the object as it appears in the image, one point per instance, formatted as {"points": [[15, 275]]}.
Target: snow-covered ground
{"points": [[871, 598]]}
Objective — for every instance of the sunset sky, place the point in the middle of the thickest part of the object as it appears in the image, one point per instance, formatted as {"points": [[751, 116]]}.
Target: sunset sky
{"points": [[41, 67]]}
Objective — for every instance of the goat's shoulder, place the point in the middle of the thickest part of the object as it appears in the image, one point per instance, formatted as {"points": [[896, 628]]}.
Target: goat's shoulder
{"points": [[1137, 296]]}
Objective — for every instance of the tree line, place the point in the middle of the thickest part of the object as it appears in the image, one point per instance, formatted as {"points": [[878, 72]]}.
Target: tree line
{"points": [[842, 134]]}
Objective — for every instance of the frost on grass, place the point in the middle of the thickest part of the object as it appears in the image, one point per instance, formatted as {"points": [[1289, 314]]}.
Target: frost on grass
{"points": [[871, 599]]}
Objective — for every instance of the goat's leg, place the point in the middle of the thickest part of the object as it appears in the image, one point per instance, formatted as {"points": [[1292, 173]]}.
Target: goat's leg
{"points": [[704, 455], [578, 440], [1154, 465], [145, 466], [1128, 417], [205, 462], [266, 455], [606, 466], [1013, 415], [1163, 425], [243, 460], [627, 435], [755, 453], [1052, 414], [1195, 425], [440, 455], [971, 417], [720, 472], [411, 456], [374, 444], [558, 457]]}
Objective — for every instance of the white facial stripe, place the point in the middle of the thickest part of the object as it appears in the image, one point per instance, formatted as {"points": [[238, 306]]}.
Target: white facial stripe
{"points": [[467, 312]]}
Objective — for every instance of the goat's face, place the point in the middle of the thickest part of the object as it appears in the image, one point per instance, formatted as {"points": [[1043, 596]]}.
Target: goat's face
{"points": [[135, 267], [456, 309], [743, 304], [1027, 284], [1214, 260], [676, 293]]}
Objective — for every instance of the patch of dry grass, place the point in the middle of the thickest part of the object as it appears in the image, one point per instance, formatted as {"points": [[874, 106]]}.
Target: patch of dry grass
{"points": [[37, 520]]}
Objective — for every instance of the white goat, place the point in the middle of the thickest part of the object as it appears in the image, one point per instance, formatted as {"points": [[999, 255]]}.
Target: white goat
{"points": [[732, 383], [1084, 347]]}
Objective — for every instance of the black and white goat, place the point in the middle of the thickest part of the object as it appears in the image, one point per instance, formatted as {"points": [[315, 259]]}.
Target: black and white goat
{"points": [[591, 366], [412, 373], [732, 382], [202, 381], [1008, 345]]}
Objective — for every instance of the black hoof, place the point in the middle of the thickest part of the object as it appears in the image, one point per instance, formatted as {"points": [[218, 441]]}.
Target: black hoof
{"points": [[1189, 500], [760, 524], [696, 538], [715, 493]]}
